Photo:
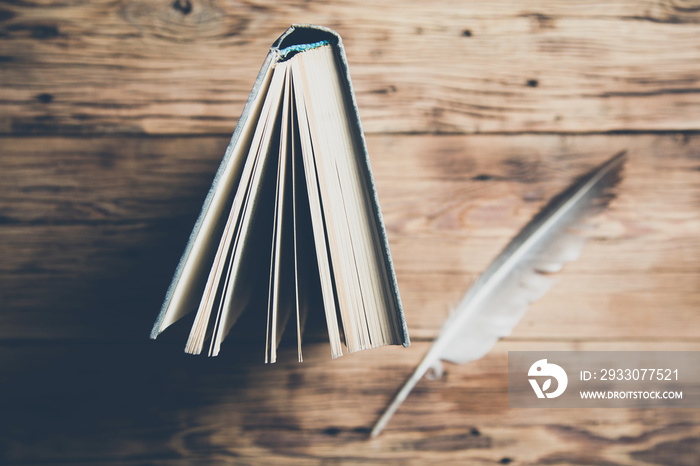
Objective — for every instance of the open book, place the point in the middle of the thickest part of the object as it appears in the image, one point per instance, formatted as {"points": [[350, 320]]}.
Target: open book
{"points": [[292, 218]]}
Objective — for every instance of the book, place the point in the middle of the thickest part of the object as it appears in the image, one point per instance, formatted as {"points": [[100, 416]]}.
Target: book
{"points": [[292, 219]]}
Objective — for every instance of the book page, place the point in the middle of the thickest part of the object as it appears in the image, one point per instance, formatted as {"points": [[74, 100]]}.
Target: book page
{"points": [[317, 215], [252, 199], [369, 317]]}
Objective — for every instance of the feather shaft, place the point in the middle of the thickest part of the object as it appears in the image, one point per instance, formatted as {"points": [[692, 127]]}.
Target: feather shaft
{"points": [[511, 268]]}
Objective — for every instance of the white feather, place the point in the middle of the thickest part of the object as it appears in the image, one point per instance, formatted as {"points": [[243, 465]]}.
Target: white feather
{"points": [[518, 276]]}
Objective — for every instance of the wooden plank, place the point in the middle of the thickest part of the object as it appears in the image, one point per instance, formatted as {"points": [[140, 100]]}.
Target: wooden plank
{"points": [[135, 404], [93, 228], [63, 181], [187, 67], [579, 306]]}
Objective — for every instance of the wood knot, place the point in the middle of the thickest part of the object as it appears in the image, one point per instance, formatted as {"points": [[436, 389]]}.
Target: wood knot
{"points": [[180, 21], [331, 431], [183, 6], [44, 98], [540, 21]]}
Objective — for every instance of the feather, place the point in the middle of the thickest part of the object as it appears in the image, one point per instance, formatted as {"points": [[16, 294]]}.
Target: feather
{"points": [[518, 276]]}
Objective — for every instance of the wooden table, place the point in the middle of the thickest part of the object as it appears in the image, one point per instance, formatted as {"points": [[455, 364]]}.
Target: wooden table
{"points": [[114, 116]]}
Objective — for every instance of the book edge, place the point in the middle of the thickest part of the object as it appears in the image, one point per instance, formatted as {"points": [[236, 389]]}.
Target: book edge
{"points": [[386, 252]]}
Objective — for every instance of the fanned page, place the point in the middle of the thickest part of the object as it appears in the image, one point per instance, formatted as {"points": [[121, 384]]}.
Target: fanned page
{"points": [[301, 230], [361, 282]]}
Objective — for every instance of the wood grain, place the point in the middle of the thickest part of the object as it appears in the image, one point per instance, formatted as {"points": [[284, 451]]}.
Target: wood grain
{"points": [[187, 66], [121, 404], [98, 225], [114, 115]]}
